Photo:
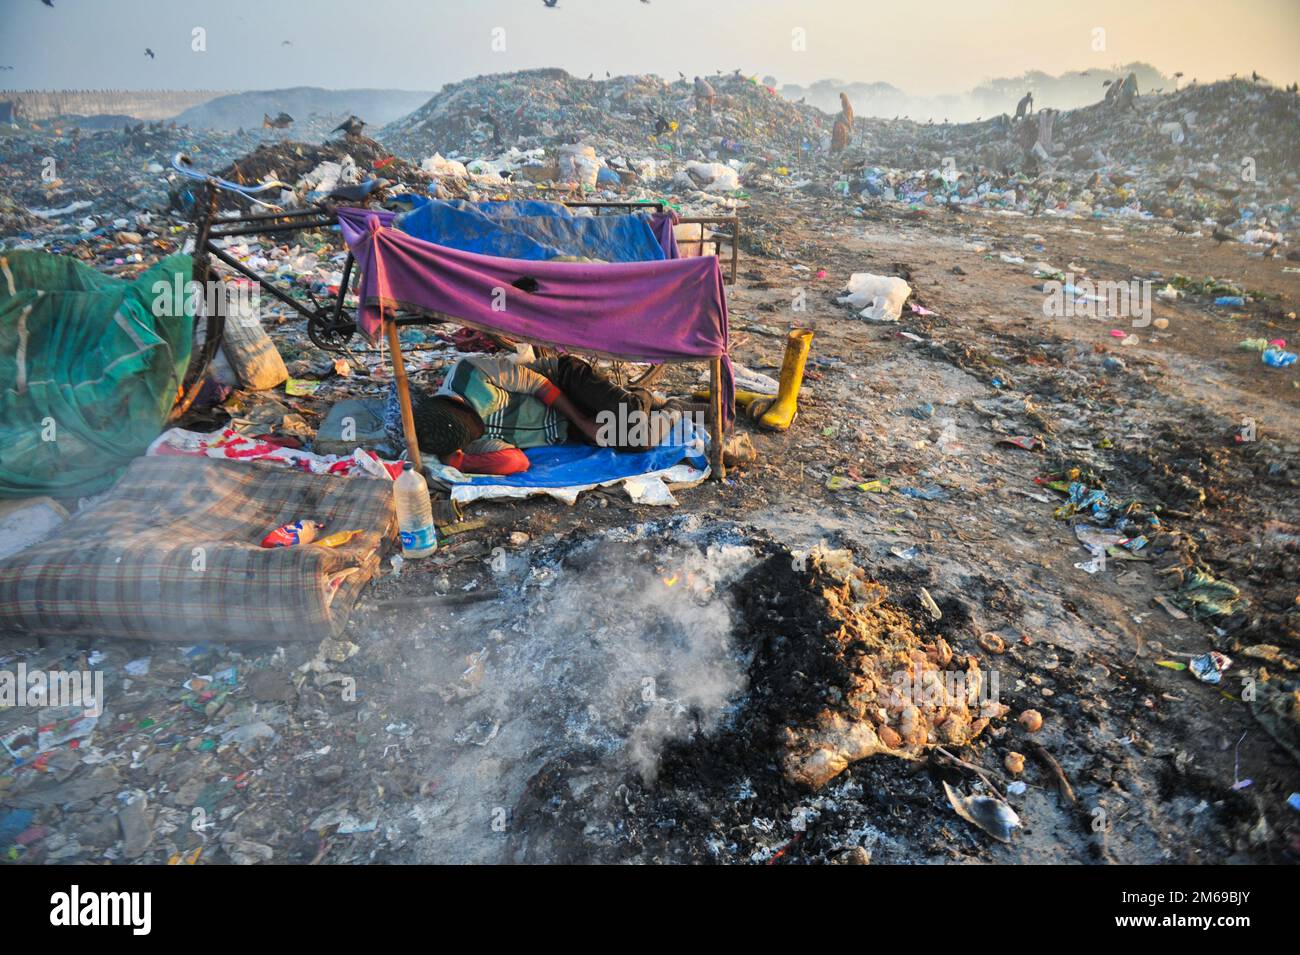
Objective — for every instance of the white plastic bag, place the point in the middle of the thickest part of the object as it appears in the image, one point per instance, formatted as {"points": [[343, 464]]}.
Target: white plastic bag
{"points": [[579, 164], [879, 297], [712, 176], [438, 165]]}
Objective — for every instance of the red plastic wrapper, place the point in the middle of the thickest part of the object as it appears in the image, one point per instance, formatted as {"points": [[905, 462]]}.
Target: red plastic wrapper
{"points": [[292, 534]]}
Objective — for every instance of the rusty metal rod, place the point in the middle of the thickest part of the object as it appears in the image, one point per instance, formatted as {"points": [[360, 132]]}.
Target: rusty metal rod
{"points": [[299, 307], [219, 233], [316, 210], [597, 204]]}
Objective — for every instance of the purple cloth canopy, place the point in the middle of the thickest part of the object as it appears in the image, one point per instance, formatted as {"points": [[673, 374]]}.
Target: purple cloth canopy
{"points": [[667, 311]]}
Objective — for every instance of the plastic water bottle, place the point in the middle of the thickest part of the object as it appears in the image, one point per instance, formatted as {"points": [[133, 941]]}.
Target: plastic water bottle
{"points": [[414, 514]]}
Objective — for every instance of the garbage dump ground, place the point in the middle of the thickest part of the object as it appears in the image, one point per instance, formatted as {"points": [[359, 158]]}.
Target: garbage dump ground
{"points": [[1071, 524]]}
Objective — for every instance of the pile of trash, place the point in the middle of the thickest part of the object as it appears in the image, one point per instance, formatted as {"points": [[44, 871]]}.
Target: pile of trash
{"points": [[555, 108], [1178, 156], [616, 132], [837, 671], [113, 200], [66, 189], [15, 219], [69, 190], [306, 112], [1170, 156], [315, 170], [901, 693]]}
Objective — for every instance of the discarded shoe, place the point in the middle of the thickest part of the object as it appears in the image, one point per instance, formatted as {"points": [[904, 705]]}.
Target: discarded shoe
{"points": [[779, 412]]}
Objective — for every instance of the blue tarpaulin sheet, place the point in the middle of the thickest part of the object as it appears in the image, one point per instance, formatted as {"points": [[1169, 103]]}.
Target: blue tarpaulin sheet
{"points": [[575, 466], [531, 230], [511, 208]]}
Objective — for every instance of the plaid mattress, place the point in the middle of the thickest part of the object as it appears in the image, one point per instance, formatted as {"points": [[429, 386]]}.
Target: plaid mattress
{"points": [[172, 554]]}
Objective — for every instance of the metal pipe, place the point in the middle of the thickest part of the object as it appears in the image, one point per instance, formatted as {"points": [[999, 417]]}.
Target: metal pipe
{"points": [[733, 238], [219, 233], [343, 288], [215, 326], [248, 273], [658, 206], [316, 210]]}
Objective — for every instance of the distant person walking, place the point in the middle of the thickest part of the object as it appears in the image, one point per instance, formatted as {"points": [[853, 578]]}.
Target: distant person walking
{"points": [[839, 135], [1025, 106], [1128, 91]]}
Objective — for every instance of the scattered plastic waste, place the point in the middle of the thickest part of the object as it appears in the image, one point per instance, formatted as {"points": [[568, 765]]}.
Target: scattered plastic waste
{"points": [[1209, 667], [879, 298], [1203, 595], [1276, 357], [292, 534]]}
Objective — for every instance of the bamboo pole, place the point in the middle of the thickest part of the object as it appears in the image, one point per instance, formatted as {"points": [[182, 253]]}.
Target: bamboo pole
{"points": [[403, 394], [715, 413]]}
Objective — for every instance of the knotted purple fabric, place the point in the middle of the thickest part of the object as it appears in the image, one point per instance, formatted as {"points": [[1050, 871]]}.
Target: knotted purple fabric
{"points": [[668, 311], [663, 225]]}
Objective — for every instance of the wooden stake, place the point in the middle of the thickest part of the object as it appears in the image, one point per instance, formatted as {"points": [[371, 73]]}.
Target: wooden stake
{"points": [[403, 394], [715, 413]]}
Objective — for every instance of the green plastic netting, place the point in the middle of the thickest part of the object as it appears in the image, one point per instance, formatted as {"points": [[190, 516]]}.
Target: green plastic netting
{"points": [[89, 368]]}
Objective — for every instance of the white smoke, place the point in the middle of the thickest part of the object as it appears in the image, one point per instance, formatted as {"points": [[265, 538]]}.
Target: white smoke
{"points": [[610, 651]]}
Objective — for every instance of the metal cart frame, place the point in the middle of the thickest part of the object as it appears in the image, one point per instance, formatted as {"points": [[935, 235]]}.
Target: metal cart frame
{"points": [[327, 324]]}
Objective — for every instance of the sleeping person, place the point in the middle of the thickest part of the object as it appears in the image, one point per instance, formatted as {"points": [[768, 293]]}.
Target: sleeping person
{"points": [[489, 409]]}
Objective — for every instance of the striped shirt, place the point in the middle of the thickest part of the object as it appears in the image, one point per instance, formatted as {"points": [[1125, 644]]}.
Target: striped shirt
{"points": [[514, 401]]}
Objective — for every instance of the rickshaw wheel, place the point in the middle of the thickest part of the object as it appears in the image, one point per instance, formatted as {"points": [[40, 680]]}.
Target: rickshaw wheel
{"points": [[330, 337]]}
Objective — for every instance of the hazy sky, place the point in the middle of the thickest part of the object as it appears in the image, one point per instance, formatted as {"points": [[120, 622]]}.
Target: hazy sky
{"points": [[942, 46]]}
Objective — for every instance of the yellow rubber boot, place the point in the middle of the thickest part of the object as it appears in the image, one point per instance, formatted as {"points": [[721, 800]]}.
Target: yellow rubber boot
{"points": [[744, 399], [781, 411]]}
